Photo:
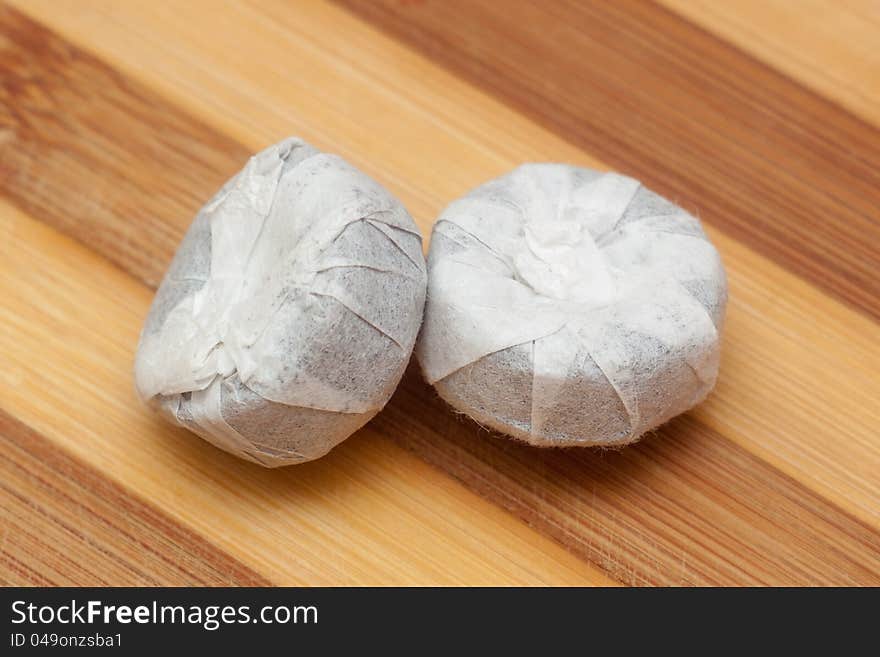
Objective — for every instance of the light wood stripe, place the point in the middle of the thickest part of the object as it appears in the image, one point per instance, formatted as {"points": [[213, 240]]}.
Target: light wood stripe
{"points": [[829, 46], [65, 524], [770, 309], [369, 514], [825, 442]]}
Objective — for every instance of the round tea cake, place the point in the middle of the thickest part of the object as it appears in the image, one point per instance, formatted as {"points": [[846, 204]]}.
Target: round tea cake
{"points": [[290, 310], [571, 307]]}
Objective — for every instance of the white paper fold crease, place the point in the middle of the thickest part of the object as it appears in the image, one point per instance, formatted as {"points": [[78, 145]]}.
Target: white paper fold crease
{"points": [[615, 294], [301, 283]]}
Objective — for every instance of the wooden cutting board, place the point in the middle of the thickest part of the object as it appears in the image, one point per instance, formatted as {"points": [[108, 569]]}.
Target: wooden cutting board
{"points": [[119, 119]]}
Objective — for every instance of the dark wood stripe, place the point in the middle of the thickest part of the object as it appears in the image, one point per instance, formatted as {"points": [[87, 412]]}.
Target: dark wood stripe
{"points": [[683, 507], [63, 522], [66, 121], [774, 165]]}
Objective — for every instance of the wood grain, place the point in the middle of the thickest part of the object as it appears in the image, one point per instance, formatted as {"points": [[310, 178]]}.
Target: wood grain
{"points": [[829, 46], [773, 480], [53, 131], [784, 170], [370, 514], [65, 524], [685, 507], [486, 545], [780, 329]]}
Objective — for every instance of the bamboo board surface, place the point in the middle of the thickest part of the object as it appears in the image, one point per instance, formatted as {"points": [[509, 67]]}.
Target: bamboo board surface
{"points": [[119, 119]]}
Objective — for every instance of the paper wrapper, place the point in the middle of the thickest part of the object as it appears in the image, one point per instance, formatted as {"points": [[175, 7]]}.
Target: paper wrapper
{"points": [[571, 307], [290, 310]]}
